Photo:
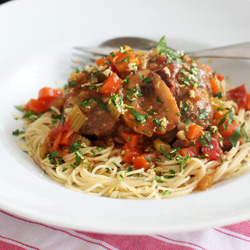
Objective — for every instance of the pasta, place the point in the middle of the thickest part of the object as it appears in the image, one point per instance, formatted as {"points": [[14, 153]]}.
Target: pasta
{"points": [[173, 151]]}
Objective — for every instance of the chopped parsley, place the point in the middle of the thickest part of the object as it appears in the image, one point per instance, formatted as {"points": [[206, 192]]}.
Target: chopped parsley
{"points": [[126, 59], [32, 115], [205, 139], [139, 118], [185, 109], [165, 192], [187, 121], [149, 158], [162, 45], [95, 76], [77, 70], [159, 100], [78, 156], [136, 90], [17, 132], [172, 56], [157, 179], [192, 143], [221, 159], [182, 161], [20, 108], [86, 103], [203, 114], [57, 117], [75, 146], [103, 105], [114, 164], [244, 133], [73, 165], [158, 123], [72, 83], [219, 95], [235, 136], [53, 155], [130, 169], [169, 155], [99, 149], [148, 79], [171, 175], [151, 112], [225, 116]]}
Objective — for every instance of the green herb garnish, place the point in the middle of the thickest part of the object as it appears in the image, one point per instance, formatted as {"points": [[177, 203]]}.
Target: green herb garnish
{"points": [[139, 118], [235, 136], [86, 103], [243, 131], [72, 83], [148, 79], [18, 132]]}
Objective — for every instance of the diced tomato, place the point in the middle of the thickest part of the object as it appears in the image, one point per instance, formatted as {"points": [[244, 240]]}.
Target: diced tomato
{"points": [[59, 129], [214, 86], [209, 70], [37, 106], [56, 142], [46, 97], [58, 102], [239, 95], [219, 114], [61, 135], [195, 131], [130, 138], [65, 139], [62, 152], [111, 85], [100, 62], [161, 60], [191, 151], [215, 153], [248, 102], [129, 153], [187, 58], [219, 76], [143, 161], [121, 60], [47, 93], [215, 83], [226, 130], [226, 133]]}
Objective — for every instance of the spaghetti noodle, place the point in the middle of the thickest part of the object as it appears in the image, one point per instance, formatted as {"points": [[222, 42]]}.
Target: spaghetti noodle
{"points": [[146, 154]]}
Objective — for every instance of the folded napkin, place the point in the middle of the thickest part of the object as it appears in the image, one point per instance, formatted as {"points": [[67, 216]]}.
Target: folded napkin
{"points": [[18, 234]]}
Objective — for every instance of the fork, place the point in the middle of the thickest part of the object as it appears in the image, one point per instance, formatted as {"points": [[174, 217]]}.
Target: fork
{"points": [[235, 51]]}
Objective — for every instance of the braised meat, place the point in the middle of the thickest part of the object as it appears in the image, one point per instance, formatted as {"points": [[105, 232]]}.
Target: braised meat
{"points": [[155, 95]]}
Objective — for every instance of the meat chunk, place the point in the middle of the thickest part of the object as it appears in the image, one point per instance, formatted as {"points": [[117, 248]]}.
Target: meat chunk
{"points": [[99, 123], [152, 107], [99, 120], [193, 97], [190, 84]]}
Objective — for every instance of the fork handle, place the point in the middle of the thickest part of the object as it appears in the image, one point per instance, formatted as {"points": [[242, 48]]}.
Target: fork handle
{"points": [[236, 51]]}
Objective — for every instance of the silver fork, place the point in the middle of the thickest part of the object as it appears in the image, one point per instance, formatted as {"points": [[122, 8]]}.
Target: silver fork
{"points": [[235, 51]]}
